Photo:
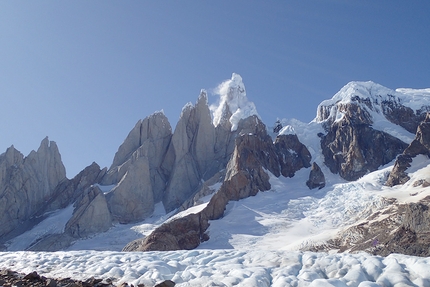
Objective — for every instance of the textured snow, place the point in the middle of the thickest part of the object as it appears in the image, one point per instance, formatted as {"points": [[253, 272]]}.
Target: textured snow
{"points": [[414, 98], [232, 93], [227, 267]]}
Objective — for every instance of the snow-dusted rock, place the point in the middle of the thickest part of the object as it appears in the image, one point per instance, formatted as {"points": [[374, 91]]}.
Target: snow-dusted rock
{"points": [[369, 102], [233, 103], [399, 228], [351, 147], [420, 145]]}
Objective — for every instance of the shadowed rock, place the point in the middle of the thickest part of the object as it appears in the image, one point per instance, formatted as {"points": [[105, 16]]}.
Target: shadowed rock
{"points": [[316, 177], [353, 149], [420, 145]]}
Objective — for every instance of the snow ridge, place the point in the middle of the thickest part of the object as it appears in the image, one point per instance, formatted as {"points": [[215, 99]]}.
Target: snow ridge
{"points": [[371, 95]]}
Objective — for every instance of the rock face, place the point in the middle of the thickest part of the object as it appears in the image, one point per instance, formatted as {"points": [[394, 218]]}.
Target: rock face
{"points": [[193, 145], [403, 116], [246, 175], [420, 145], [132, 199], [68, 191], [316, 177], [91, 215], [149, 138], [292, 154], [352, 150], [26, 184]]}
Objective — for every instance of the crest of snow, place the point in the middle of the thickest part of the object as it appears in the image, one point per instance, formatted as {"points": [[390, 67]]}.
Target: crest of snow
{"points": [[352, 92], [414, 98], [232, 94], [287, 130], [188, 106], [374, 94]]}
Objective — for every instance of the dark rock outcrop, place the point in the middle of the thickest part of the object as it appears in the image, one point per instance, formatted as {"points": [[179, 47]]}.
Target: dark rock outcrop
{"points": [[420, 145], [403, 116], [353, 149], [11, 278], [292, 154], [316, 177]]}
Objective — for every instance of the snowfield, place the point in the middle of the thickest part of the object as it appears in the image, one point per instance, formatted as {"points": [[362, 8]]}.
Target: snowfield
{"points": [[227, 267]]}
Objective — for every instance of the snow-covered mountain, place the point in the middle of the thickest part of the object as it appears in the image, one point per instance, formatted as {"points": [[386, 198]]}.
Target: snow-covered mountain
{"points": [[229, 187]]}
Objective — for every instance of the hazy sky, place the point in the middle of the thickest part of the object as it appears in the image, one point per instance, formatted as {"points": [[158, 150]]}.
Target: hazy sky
{"points": [[84, 72]]}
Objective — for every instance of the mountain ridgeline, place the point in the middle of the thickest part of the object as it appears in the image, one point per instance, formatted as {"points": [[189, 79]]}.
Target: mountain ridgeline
{"points": [[228, 145]]}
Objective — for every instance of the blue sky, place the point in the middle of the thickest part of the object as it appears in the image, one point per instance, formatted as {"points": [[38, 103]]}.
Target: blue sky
{"points": [[84, 72]]}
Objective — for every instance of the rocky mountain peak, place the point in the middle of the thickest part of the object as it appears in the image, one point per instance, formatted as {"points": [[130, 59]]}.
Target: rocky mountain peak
{"points": [[26, 183], [232, 97], [367, 102], [153, 127]]}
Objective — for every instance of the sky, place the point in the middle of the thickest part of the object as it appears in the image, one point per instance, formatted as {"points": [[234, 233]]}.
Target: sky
{"points": [[84, 72]]}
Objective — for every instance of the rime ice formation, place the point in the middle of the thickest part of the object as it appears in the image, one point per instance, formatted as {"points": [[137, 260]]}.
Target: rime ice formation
{"points": [[233, 97]]}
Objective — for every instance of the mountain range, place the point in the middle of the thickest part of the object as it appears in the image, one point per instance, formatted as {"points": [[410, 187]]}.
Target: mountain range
{"points": [[356, 178]]}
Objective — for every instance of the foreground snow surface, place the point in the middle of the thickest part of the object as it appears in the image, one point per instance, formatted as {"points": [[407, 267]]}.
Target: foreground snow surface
{"points": [[227, 267]]}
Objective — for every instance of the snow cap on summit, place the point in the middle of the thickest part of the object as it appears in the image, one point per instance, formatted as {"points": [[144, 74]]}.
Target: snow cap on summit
{"points": [[371, 95], [287, 130], [233, 95]]}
